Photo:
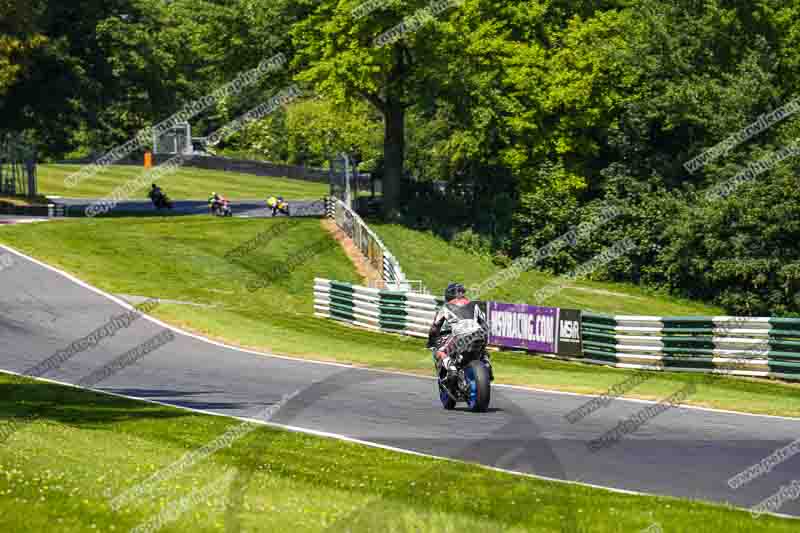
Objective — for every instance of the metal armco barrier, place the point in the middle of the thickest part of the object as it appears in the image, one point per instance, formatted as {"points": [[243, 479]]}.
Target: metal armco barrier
{"points": [[50, 210], [56, 210], [403, 312], [370, 245], [316, 208], [744, 346]]}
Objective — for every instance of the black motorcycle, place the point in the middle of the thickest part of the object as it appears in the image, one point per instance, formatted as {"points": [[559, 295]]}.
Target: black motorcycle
{"points": [[470, 374], [161, 201]]}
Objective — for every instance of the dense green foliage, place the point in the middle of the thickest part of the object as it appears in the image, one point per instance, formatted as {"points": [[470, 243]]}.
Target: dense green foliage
{"points": [[538, 112]]}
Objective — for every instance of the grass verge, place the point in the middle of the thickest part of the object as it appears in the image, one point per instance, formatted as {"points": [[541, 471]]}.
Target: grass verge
{"points": [[184, 184], [60, 472], [182, 259], [433, 260]]}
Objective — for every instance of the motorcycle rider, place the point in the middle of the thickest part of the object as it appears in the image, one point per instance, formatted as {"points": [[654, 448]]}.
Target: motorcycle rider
{"points": [[275, 204], [459, 326], [156, 195], [214, 202], [223, 207]]}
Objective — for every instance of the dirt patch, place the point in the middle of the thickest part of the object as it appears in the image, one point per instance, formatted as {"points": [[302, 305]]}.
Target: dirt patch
{"points": [[369, 274], [136, 300]]}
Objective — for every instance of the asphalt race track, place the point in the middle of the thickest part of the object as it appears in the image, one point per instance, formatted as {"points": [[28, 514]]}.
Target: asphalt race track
{"points": [[682, 452], [241, 208]]}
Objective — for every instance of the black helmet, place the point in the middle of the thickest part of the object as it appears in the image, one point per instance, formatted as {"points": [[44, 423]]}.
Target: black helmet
{"points": [[453, 290]]}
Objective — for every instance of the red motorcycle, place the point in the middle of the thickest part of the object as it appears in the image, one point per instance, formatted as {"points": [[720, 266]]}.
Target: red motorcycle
{"points": [[221, 208]]}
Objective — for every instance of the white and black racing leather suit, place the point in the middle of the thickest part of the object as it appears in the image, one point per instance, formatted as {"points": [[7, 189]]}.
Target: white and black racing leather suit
{"points": [[458, 327]]}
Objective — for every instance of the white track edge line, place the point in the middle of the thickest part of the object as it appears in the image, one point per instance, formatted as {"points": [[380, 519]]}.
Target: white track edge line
{"points": [[175, 329], [353, 440]]}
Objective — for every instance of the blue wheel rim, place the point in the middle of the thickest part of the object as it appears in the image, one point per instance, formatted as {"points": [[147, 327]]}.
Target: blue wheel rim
{"points": [[473, 388], [443, 396]]}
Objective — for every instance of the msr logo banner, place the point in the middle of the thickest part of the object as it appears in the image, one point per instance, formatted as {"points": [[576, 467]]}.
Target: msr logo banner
{"points": [[570, 343]]}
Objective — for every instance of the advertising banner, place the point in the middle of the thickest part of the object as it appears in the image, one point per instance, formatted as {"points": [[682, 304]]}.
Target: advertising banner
{"points": [[569, 333], [523, 326]]}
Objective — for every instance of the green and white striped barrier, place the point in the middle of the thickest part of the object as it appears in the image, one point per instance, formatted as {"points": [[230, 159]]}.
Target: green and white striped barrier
{"points": [[403, 312], [745, 346]]}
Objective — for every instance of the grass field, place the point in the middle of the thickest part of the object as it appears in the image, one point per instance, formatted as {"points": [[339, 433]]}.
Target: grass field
{"points": [[426, 257], [60, 473], [185, 184], [181, 259]]}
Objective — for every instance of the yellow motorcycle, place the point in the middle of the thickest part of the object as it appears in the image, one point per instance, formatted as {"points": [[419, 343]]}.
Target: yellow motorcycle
{"points": [[278, 205]]}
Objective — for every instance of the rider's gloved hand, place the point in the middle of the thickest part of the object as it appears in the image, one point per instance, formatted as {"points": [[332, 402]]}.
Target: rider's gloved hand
{"points": [[447, 363], [445, 360]]}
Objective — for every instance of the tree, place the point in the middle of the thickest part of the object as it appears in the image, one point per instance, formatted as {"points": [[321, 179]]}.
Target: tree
{"points": [[19, 40], [312, 130], [338, 53]]}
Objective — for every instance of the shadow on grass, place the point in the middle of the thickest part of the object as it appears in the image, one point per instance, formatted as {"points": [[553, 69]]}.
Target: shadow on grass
{"points": [[74, 407]]}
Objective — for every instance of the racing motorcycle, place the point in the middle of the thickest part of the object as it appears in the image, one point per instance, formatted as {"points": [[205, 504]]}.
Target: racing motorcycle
{"points": [[283, 207], [221, 208], [161, 201], [469, 374], [278, 205]]}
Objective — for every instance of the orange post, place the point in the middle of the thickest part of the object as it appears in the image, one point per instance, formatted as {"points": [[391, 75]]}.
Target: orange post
{"points": [[148, 160]]}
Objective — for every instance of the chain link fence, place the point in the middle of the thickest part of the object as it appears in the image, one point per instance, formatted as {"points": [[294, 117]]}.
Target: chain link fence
{"points": [[17, 167]]}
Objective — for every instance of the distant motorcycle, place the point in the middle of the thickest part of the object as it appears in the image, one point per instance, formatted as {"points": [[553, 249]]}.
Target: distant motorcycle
{"points": [[278, 205], [221, 208], [283, 207], [161, 201]]}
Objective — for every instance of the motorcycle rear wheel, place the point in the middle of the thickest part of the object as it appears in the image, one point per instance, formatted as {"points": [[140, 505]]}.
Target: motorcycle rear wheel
{"points": [[480, 386]]}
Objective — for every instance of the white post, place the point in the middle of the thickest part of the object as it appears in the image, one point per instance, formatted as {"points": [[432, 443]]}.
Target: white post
{"points": [[188, 148], [347, 200]]}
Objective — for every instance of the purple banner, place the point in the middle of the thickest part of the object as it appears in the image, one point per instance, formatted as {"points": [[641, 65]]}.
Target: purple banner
{"points": [[523, 326]]}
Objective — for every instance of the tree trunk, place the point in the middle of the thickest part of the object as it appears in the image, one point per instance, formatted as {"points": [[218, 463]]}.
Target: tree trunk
{"points": [[393, 155]]}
